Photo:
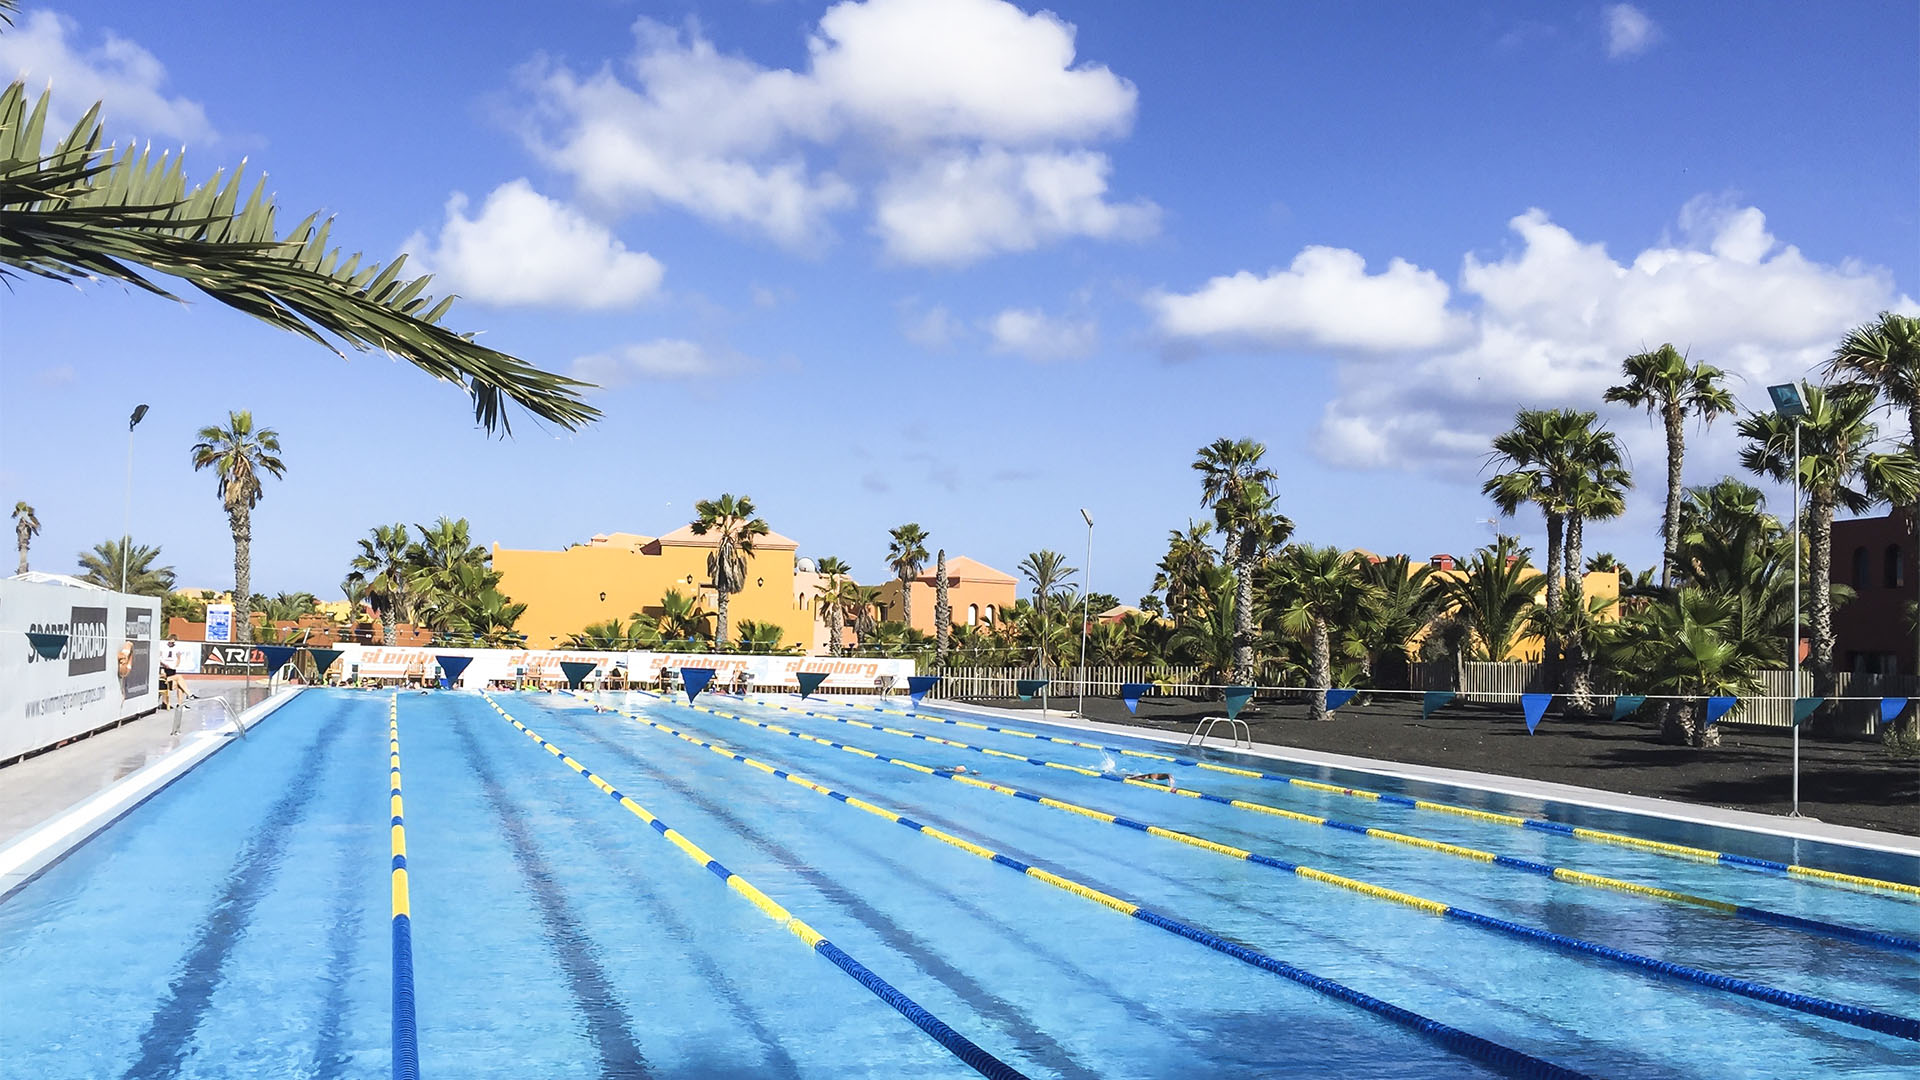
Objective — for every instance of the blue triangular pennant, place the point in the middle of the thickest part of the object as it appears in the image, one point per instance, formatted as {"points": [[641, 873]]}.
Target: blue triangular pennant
{"points": [[1131, 693], [918, 685], [450, 669], [47, 645], [577, 671], [1026, 688], [1337, 698], [322, 660], [1626, 703], [1803, 707], [1535, 706], [1237, 698], [696, 680], [1890, 708], [276, 656], [1717, 707], [809, 681], [1432, 700]]}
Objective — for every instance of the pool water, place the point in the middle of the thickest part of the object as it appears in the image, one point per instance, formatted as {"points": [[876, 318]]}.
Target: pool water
{"points": [[237, 924]]}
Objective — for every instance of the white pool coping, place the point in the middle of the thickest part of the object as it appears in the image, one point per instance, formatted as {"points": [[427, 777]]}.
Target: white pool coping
{"points": [[1513, 786], [52, 840]]}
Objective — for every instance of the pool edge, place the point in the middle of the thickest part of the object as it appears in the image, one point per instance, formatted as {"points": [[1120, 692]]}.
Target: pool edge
{"points": [[33, 852]]}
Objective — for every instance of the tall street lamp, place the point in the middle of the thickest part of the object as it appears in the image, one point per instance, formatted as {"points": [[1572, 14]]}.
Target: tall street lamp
{"points": [[1086, 612], [1788, 406], [126, 520]]}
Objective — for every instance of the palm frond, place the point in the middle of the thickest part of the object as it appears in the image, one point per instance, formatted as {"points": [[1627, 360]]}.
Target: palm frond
{"points": [[89, 211]]}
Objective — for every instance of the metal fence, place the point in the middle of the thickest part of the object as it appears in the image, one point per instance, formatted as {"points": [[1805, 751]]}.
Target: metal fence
{"points": [[1103, 681]]}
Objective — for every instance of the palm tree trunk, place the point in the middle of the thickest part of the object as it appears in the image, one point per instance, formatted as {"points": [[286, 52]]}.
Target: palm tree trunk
{"points": [[20, 535], [1913, 433], [1820, 574], [1676, 460], [1322, 671], [1681, 724], [1550, 652], [942, 612], [242, 521], [1242, 614], [906, 601], [1575, 671], [833, 629], [720, 620]]}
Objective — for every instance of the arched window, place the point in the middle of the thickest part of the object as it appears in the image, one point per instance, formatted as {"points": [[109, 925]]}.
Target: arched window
{"points": [[973, 614], [990, 615], [1861, 575], [1895, 571]]}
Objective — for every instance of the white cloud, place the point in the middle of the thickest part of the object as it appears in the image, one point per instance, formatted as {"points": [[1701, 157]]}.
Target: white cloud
{"points": [[1548, 323], [44, 48], [1629, 31], [959, 207], [896, 94], [1036, 335], [1325, 299], [668, 358], [524, 249]]}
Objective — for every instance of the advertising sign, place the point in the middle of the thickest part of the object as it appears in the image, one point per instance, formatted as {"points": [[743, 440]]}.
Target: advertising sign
{"points": [[219, 622], [103, 671], [218, 659], [136, 652], [503, 665]]}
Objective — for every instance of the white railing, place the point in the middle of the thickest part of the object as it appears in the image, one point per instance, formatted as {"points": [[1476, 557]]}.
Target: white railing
{"points": [[1101, 681]]}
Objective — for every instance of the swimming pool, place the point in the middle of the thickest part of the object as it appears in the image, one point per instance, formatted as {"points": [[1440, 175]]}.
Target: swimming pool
{"points": [[239, 922]]}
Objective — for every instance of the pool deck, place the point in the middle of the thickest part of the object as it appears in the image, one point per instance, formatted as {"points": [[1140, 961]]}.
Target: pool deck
{"points": [[1771, 824]]}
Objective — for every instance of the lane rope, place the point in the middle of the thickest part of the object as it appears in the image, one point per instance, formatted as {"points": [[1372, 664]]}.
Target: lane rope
{"points": [[959, 1045], [1856, 1015], [1449, 1037], [1875, 938], [406, 1039], [1659, 847]]}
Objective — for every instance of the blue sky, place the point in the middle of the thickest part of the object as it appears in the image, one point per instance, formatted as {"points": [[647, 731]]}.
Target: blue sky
{"points": [[967, 263]]}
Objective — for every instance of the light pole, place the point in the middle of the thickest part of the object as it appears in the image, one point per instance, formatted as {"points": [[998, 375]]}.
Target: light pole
{"points": [[126, 520], [1086, 612], [1787, 404]]}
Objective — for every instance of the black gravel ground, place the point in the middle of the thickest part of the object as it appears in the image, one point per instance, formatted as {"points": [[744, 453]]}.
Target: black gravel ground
{"points": [[1845, 781]]}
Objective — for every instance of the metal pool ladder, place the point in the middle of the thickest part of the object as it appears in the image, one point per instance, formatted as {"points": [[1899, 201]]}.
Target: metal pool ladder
{"points": [[1235, 726]]}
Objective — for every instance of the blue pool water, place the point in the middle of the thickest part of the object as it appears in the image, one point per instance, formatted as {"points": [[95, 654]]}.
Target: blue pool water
{"points": [[237, 923]]}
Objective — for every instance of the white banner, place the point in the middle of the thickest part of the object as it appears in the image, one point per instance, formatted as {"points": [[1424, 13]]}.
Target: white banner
{"points": [[106, 670], [505, 665]]}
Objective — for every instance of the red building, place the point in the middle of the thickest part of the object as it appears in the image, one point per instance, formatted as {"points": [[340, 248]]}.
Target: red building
{"points": [[1874, 634]]}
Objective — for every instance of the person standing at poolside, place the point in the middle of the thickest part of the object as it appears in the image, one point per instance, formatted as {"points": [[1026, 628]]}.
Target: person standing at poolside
{"points": [[171, 657]]}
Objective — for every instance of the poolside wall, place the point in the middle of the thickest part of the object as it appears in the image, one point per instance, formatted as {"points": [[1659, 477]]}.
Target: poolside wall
{"points": [[46, 702], [843, 673]]}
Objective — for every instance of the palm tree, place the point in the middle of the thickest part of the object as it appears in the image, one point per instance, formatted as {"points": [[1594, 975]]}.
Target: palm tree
{"points": [[1320, 588], [120, 559], [88, 212], [384, 568], [1239, 488], [942, 611], [681, 622], [1689, 646], [1209, 636], [1045, 569], [1596, 488], [1670, 388], [615, 635], [1884, 355], [907, 556], [831, 598], [1189, 555], [866, 610], [354, 589], [732, 519], [1838, 470], [1493, 598], [760, 637], [1540, 469], [239, 455], [1403, 600], [26, 526]]}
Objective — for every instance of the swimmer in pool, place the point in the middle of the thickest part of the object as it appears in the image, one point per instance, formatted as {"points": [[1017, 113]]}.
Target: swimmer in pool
{"points": [[1164, 778]]}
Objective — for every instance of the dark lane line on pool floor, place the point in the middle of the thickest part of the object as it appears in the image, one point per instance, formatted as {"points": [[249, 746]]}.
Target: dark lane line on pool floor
{"points": [[1860, 1016], [330, 1058], [634, 880], [573, 948], [1013, 1019], [164, 1045]]}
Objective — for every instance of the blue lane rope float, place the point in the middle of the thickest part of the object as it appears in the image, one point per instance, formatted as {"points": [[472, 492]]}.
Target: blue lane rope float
{"points": [[1858, 1016], [1454, 1039], [406, 1038], [1822, 927], [955, 1043], [1658, 847]]}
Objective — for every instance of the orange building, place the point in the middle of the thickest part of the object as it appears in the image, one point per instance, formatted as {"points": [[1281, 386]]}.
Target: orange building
{"points": [[614, 575], [1603, 584], [976, 591]]}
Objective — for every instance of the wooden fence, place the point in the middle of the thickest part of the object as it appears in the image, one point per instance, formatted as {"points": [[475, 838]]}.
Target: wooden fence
{"points": [[1105, 681]]}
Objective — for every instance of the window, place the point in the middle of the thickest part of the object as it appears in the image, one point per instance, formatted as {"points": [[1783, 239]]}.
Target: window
{"points": [[989, 612], [1860, 574], [973, 614], [1895, 572]]}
